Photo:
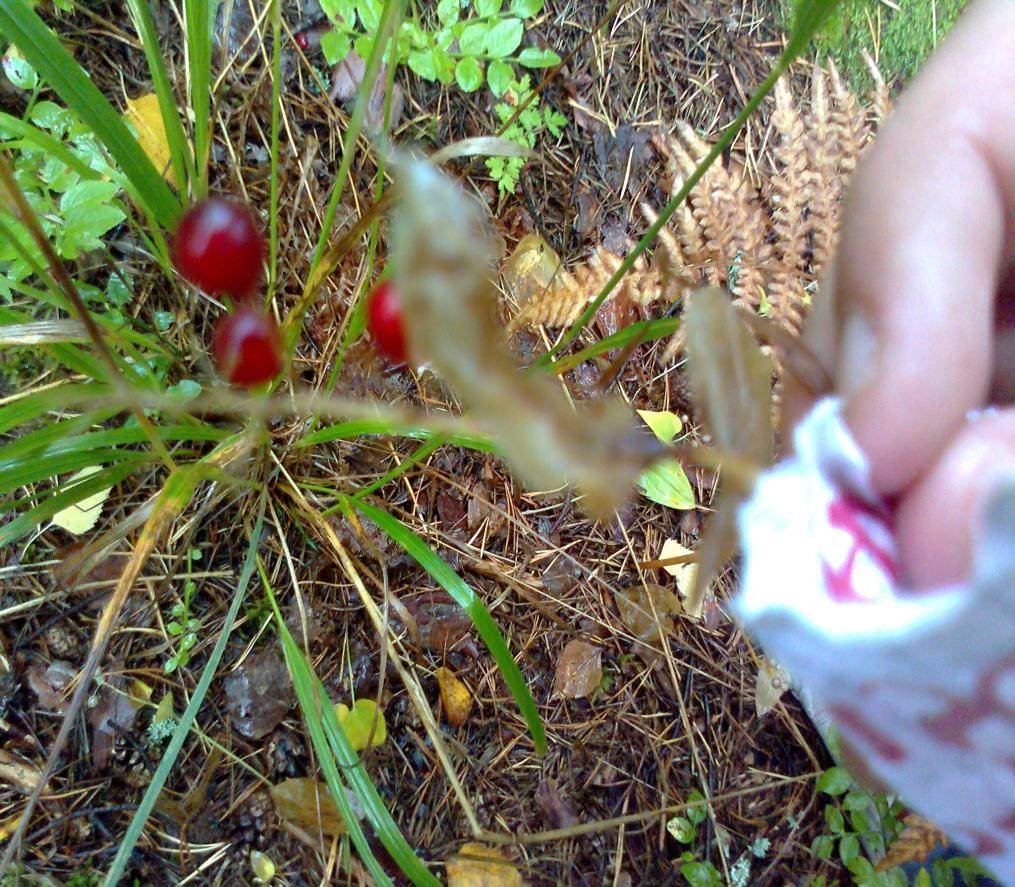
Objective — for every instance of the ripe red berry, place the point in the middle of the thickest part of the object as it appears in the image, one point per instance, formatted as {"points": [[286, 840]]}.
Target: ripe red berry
{"points": [[247, 347], [218, 248], [303, 41], [384, 320]]}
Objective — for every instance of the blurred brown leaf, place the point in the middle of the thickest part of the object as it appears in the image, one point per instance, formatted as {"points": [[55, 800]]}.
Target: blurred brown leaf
{"points": [[50, 684], [23, 775], [259, 694], [915, 844], [307, 804], [579, 670], [731, 380], [556, 809], [648, 614], [110, 717], [346, 81]]}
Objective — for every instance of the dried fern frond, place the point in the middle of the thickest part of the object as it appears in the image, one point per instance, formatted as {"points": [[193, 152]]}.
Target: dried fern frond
{"points": [[767, 245]]}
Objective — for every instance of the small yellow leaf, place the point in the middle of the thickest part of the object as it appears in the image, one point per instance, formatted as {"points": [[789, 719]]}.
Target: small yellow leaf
{"points": [[530, 267], [359, 723], [140, 693], [81, 516], [664, 425], [773, 681], [165, 709], [144, 114], [478, 865], [264, 868], [9, 825], [685, 574], [455, 695], [306, 803]]}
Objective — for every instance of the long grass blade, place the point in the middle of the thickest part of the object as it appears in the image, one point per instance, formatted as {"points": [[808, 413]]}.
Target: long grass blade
{"points": [[466, 598], [172, 751], [39, 403], [200, 20], [176, 138], [356, 428], [42, 140], [61, 463], [58, 68]]}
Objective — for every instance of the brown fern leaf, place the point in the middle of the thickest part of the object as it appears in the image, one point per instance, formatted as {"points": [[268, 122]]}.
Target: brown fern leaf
{"points": [[791, 187], [915, 844], [879, 100], [848, 121], [825, 186]]}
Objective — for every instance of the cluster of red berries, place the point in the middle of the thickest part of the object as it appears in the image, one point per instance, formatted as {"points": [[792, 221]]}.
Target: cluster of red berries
{"points": [[218, 248]]}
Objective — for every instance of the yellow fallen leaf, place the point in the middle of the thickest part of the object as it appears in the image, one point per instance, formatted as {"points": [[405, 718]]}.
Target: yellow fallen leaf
{"points": [[478, 865], [9, 825], [684, 574], [359, 723], [455, 695], [264, 868], [164, 711], [664, 425], [772, 682], [82, 516], [530, 267], [306, 803], [140, 693], [144, 114]]}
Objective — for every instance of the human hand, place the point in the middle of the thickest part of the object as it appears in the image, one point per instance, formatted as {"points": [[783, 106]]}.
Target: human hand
{"points": [[916, 321]]}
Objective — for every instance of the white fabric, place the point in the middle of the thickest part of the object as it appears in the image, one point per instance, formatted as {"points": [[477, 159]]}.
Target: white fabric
{"points": [[921, 683]]}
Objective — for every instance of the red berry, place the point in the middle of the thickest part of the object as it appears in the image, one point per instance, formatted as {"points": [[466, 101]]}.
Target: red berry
{"points": [[303, 41], [247, 347], [218, 248], [384, 320]]}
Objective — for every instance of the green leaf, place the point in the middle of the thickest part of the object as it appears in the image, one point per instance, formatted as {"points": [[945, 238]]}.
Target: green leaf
{"points": [[682, 829], [664, 424], [855, 801], [474, 38], [849, 849], [468, 74], [185, 389], [487, 8], [526, 8], [667, 484], [858, 820], [499, 76], [118, 292], [532, 57], [444, 65], [504, 37], [833, 816], [922, 878], [422, 65], [700, 874], [340, 11], [822, 846], [50, 116], [448, 11], [466, 598], [59, 69], [19, 71], [834, 781], [335, 45], [370, 14], [699, 812]]}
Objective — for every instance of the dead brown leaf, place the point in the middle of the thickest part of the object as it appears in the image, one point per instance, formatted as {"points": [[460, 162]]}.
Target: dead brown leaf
{"points": [[556, 809], [346, 81], [109, 718], [648, 613], [915, 844], [579, 670], [772, 682], [23, 775], [307, 804], [50, 683], [259, 694]]}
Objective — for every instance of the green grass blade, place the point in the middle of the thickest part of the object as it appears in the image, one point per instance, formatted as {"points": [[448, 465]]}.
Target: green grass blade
{"points": [[62, 463], [39, 403], [810, 16], [454, 585], [58, 68], [25, 523], [334, 751], [176, 138], [172, 751], [200, 20], [645, 330], [358, 427]]}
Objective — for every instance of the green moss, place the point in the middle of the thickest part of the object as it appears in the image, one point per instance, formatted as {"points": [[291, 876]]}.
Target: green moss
{"points": [[905, 37]]}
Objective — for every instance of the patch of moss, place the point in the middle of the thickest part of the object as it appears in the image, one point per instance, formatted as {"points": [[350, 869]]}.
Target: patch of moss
{"points": [[904, 36]]}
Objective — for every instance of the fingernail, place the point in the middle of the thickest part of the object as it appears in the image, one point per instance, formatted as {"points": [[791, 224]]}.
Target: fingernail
{"points": [[859, 355]]}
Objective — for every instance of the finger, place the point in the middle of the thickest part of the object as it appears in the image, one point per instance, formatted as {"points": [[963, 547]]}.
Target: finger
{"points": [[924, 248], [939, 518]]}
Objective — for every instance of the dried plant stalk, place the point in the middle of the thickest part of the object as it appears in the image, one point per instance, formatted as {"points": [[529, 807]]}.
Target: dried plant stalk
{"points": [[443, 256]]}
